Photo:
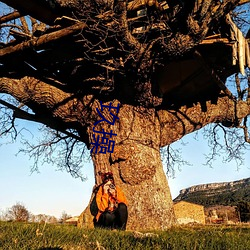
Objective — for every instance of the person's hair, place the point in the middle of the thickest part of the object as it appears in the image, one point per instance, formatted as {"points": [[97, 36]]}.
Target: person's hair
{"points": [[107, 176]]}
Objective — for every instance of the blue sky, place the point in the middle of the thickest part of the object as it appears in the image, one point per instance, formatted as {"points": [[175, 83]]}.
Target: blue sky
{"points": [[48, 192], [51, 192]]}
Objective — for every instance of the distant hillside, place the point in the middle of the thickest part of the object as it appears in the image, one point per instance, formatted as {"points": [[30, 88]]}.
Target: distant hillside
{"points": [[225, 193]]}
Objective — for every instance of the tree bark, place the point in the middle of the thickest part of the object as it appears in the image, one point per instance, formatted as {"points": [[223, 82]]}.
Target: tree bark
{"points": [[150, 203], [137, 168]]}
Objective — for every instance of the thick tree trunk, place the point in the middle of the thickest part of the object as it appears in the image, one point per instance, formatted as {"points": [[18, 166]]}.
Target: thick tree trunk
{"points": [[147, 190], [145, 185], [136, 164]]}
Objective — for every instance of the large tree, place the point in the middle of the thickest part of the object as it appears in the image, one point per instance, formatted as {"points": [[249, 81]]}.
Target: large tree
{"points": [[164, 63]]}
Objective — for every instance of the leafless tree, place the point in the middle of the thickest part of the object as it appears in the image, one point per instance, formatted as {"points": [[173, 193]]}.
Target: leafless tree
{"points": [[18, 212], [64, 217]]}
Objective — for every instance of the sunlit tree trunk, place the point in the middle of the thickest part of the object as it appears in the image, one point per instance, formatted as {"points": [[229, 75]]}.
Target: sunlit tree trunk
{"points": [[136, 164]]}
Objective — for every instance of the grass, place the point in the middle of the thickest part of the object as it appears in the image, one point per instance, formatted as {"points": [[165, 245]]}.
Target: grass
{"points": [[20, 236]]}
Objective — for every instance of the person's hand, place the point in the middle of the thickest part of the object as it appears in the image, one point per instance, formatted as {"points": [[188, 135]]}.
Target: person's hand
{"points": [[106, 188], [112, 191]]}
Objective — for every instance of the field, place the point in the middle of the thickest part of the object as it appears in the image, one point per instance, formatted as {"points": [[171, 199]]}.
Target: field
{"points": [[19, 236]]}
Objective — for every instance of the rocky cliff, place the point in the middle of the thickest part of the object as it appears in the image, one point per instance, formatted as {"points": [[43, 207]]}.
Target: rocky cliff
{"points": [[225, 193]]}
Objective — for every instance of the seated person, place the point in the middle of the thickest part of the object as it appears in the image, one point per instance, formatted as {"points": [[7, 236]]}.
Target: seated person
{"points": [[112, 204]]}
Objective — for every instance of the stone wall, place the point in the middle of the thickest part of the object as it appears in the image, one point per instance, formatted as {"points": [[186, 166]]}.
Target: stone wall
{"points": [[186, 212]]}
